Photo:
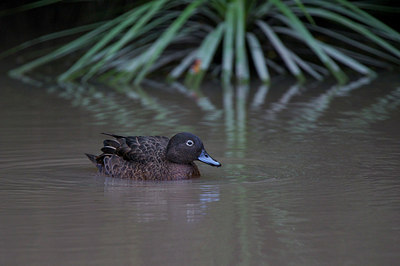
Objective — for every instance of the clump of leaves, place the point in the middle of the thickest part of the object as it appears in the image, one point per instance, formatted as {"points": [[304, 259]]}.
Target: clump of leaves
{"points": [[229, 37]]}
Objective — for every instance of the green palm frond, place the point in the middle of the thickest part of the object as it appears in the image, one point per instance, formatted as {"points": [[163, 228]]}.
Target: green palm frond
{"points": [[231, 37]]}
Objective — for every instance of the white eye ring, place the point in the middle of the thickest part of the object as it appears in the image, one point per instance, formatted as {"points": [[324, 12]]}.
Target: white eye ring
{"points": [[190, 143]]}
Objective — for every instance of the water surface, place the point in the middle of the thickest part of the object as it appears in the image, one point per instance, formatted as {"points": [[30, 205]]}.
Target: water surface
{"points": [[310, 176]]}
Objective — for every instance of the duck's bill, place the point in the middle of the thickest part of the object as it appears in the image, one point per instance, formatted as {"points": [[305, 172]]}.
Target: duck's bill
{"points": [[206, 158]]}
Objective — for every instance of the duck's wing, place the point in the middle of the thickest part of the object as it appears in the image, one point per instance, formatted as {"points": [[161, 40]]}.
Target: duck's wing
{"points": [[142, 149]]}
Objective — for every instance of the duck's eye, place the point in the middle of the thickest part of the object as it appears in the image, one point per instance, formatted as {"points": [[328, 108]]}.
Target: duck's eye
{"points": [[190, 143]]}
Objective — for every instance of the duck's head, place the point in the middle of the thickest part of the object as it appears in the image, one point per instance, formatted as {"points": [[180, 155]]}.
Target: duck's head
{"points": [[184, 148]]}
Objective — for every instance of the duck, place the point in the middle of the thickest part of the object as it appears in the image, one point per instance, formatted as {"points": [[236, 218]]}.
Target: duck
{"points": [[152, 157]]}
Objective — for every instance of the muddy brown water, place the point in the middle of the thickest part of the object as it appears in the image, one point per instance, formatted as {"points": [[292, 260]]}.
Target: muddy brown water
{"points": [[310, 176]]}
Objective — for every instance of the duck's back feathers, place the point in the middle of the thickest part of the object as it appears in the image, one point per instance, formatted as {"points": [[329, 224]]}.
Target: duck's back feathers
{"points": [[111, 142], [145, 149], [130, 157], [136, 148]]}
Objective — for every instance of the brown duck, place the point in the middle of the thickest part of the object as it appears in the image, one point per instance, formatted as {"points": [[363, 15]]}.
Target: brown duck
{"points": [[152, 157]]}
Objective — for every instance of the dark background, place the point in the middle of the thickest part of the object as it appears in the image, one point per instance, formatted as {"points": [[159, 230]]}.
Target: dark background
{"points": [[19, 26]]}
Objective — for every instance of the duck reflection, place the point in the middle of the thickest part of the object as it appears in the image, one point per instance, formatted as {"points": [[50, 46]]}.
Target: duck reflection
{"points": [[186, 201]]}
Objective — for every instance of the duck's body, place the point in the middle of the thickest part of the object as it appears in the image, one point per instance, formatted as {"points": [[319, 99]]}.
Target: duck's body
{"points": [[152, 157]]}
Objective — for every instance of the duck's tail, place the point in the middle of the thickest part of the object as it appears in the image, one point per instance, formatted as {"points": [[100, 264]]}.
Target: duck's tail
{"points": [[92, 158], [109, 148], [97, 160]]}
